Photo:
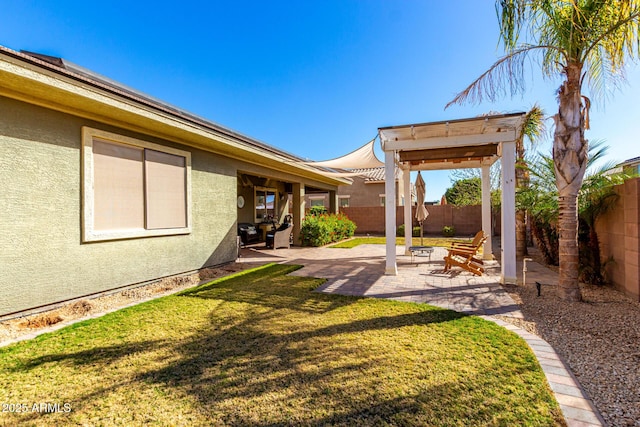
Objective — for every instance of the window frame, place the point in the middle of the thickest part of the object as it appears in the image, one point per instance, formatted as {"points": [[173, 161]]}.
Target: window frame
{"points": [[89, 233], [266, 191], [316, 198], [341, 198]]}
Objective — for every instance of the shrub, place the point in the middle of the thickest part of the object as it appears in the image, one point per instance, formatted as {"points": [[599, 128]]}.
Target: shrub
{"points": [[317, 211], [415, 232], [448, 231], [319, 230]]}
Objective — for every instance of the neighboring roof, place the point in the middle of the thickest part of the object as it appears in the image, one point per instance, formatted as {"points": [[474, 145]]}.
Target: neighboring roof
{"points": [[452, 144], [61, 85], [374, 175], [631, 162]]}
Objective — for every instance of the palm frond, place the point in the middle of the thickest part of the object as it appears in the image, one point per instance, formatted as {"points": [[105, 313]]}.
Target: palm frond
{"points": [[505, 76], [534, 124], [511, 16]]}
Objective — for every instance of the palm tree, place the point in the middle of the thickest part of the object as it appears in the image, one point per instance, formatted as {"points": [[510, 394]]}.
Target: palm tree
{"points": [[581, 41], [596, 197], [532, 127]]}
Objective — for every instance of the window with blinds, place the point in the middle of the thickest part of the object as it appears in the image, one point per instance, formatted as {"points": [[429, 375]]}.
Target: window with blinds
{"points": [[133, 188]]}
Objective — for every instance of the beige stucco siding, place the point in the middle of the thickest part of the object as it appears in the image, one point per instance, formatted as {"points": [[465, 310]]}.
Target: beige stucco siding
{"points": [[42, 258]]}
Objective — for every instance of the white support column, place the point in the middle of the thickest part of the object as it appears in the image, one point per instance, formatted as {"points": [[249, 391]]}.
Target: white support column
{"points": [[408, 224], [333, 202], [298, 210], [508, 218], [390, 213], [486, 212]]}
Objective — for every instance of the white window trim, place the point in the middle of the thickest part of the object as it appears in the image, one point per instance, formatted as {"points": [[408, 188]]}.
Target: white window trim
{"points": [[89, 234], [347, 198], [275, 201]]}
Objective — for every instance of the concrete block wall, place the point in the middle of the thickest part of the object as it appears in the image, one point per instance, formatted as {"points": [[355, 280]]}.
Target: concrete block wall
{"points": [[631, 238], [618, 231], [467, 220]]}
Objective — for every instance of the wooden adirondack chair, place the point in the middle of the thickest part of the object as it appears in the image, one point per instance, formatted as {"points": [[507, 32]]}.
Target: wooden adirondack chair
{"points": [[470, 245], [475, 244], [465, 258]]}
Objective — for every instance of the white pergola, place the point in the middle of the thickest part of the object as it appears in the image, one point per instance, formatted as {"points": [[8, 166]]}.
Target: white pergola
{"points": [[467, 143]]}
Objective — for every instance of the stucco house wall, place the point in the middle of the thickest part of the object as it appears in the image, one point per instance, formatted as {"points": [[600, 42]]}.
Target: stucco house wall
{"points": [[45, 255], [42, 255], [361, 193]]}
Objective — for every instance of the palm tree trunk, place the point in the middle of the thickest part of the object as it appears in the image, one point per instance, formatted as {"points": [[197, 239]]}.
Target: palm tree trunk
{"points": [[568, 248], [570, 161], [521, 233], [521, 230]]}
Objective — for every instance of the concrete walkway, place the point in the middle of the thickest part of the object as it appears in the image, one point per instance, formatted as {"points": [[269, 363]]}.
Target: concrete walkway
{"points": [[360, 272]]}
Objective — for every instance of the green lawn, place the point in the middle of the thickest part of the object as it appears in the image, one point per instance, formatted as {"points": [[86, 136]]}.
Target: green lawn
{"points": [[415, 241], [262, 349]]}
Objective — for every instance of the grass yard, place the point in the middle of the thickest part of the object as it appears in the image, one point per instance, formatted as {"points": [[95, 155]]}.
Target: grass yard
{"points": [[415, 241], [261, 349]]}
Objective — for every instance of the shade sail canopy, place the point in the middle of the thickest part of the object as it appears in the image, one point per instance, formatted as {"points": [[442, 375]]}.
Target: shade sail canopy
{"points": [[362, 158]]}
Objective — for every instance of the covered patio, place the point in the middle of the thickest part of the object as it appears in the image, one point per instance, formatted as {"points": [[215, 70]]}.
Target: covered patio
{"points": [[466, 143]]}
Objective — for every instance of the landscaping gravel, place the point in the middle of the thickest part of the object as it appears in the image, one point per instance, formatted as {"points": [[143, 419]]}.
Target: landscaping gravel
{"points": [[32, 325], [599, 339]]}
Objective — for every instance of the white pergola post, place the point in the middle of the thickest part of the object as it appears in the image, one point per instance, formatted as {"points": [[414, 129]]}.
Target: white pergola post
{"points": [[390, 212], [408, 224], [298, 210], [508, 218], [486, 212]]}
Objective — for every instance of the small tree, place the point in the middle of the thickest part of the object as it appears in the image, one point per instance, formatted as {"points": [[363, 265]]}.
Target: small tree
{"points": [[596, 197], [532, 128], [465, 192]]}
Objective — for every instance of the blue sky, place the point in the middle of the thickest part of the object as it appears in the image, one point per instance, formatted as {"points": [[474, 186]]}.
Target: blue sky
{"points": [[313, 78]]}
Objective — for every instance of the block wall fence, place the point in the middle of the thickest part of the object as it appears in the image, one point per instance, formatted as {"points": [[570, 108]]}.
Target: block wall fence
{"points": [[620, 240], [467, 220]]}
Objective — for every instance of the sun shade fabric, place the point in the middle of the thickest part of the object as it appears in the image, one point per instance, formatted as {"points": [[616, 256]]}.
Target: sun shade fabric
{"points": [[421, 211], [166, 190], [118, 186], [362, 158]]}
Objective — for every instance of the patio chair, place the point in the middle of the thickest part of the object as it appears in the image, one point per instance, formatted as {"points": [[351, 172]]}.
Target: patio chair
{"points": [[475, 243], [248, 233], [476, 239], [281, 237], [465, 258]]}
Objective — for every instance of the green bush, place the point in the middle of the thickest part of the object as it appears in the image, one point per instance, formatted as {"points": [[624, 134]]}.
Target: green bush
{"points": [[448, 231], [317, 210], [415, 232], [320, 230]]}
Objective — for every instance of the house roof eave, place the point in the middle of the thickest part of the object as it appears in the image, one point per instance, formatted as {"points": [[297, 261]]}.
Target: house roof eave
{"points": [[35, 81]]}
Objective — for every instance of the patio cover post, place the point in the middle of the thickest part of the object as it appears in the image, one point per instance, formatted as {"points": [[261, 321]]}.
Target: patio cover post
{"points": [[390, 212], [333, 202], [486, 212], [508, 219], [298, 210], [408, 225]]}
